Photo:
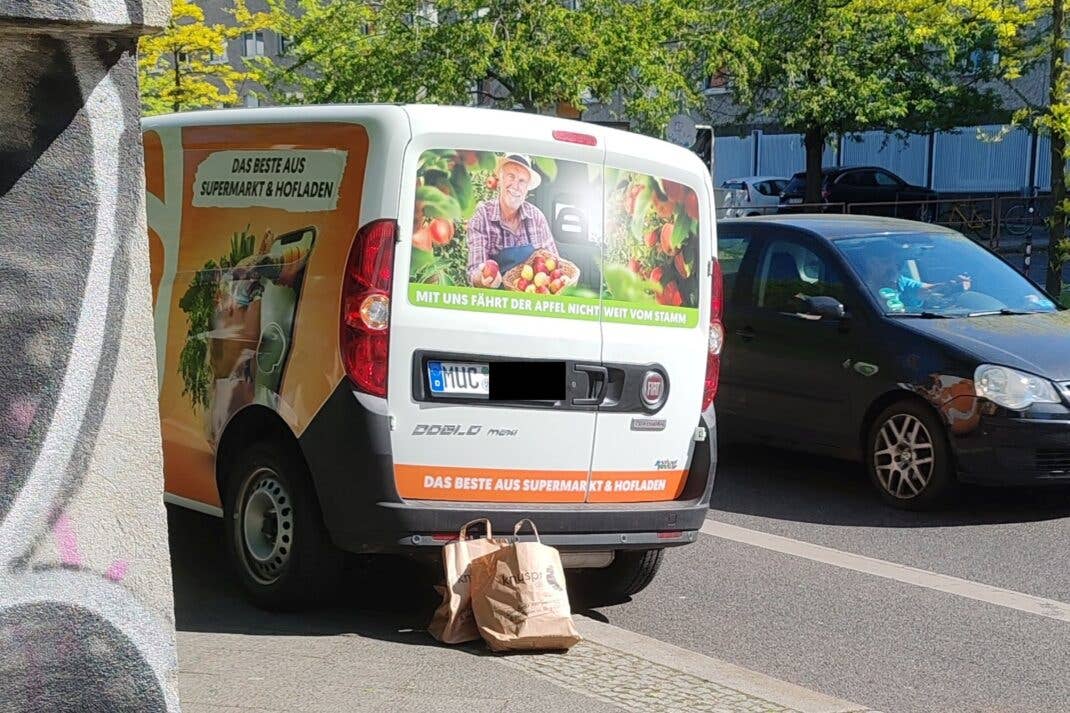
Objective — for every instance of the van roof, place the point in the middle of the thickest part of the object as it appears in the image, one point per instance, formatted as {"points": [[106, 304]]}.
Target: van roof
{"points": [[430, 118]]}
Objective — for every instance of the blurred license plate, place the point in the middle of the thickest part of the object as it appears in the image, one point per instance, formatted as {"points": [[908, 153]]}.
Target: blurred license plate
{"points": [[451, 378], [795, 200]]}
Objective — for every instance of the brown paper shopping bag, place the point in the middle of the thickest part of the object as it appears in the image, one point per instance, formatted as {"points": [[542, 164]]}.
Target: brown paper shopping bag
{"points": [[453, 622], [519, 598]]}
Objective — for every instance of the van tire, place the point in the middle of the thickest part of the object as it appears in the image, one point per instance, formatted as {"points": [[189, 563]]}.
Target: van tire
{"points": [[630, 572], [270, 483]]}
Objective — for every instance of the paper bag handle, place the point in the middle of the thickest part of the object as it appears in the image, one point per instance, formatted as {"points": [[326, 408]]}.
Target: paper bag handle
{"points": [[516, 528], [464, 528]]}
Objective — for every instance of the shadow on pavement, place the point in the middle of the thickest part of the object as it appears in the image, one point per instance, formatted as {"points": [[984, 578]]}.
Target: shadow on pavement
{"points": [[785, 485], [384, 598]]}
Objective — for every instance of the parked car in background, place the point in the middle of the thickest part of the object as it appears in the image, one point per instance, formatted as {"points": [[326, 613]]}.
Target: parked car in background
{"points": [[905, 345], [880, 190], [754, 195]]}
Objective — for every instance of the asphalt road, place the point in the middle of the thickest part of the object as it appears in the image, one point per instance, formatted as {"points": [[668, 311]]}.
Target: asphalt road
{"points": [[888, 645], [893, 646]]}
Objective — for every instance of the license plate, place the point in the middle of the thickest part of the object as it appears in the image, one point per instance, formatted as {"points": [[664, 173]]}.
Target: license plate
{"points": [[795, 201], [465, 379]]}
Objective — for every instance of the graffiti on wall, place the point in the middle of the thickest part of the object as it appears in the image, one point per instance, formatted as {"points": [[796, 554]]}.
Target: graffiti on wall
{"points": [[71, 638]]}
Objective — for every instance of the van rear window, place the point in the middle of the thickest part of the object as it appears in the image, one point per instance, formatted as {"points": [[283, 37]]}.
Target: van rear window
{"points": [[513, 233]]}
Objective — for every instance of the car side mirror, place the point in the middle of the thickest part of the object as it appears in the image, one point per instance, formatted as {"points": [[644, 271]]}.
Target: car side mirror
{"points": [[824, 307]]}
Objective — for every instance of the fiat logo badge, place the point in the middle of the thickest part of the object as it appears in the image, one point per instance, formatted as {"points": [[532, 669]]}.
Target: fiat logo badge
{"points": [[653, 388]]}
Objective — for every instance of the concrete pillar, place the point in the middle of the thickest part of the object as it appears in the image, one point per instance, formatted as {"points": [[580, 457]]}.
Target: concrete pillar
{"points": [[86, 613]]}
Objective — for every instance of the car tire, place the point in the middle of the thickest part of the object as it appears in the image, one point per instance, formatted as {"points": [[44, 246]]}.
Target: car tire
{"points": [[630, 572], [275, 537], [908, 457]]}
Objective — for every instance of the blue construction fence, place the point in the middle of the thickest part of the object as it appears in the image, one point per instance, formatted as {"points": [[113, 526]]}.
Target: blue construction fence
{"points": [[977, 159]]}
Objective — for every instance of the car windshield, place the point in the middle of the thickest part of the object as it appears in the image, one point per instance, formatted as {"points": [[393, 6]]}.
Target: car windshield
{"points": [[939, 275]]}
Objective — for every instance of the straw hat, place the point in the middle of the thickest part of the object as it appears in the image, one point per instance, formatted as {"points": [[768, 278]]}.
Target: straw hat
{"points": [[524, 162]]}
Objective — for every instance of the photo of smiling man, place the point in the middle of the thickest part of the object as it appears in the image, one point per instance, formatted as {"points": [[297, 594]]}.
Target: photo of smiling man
{"points": [[508, 228]]}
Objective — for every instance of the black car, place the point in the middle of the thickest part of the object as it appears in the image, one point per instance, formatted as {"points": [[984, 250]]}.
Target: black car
{"points": [[868, 189], [902, 344]]}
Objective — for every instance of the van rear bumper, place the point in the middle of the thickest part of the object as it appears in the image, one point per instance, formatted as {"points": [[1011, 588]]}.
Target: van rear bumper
{"points": [[347, 449]]}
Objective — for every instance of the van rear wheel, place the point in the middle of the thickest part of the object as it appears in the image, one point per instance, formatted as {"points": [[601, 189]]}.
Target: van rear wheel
{"points": [[274, 532], [630, 572]]}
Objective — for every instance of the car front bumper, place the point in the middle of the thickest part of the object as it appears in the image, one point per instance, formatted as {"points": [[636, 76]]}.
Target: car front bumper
{"points": [[1003, 450]]}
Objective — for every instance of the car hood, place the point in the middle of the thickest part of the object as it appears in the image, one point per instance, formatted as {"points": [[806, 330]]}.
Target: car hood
{"points": [[1037, 343]]}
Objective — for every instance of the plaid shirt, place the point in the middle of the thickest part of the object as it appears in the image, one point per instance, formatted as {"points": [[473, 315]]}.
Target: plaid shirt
{"points": [[488, 236]]}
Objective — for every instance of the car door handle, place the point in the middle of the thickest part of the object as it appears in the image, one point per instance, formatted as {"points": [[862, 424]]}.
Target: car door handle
{"points": [[597, 377], [746, 334]]}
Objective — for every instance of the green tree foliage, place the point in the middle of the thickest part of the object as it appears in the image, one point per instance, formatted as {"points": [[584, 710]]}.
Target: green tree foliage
{"points": [[179, 67], [841, 66], [649, 55], [1042, 44]]}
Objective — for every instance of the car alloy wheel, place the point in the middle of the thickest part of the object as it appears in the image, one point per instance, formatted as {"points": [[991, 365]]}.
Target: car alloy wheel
{"points": [[903, 456], [266, 526]]}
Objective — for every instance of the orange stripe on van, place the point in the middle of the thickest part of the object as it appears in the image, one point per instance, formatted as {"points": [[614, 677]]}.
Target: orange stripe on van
{"points": [[434, 482]]}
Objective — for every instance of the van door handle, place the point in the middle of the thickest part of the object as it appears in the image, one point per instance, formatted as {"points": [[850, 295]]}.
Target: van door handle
{"points": [[597, 376], [746, 334]]}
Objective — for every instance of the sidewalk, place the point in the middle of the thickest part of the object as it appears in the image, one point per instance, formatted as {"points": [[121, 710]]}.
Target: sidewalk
{"points": [[373, 654]]}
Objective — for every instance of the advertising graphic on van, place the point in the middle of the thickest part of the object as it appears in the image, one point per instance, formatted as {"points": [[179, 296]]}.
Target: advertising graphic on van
{"points": [[255, 221], [518, 234]]}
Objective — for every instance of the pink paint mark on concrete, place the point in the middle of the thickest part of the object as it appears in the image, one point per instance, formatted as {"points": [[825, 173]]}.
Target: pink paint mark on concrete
{"points": [[67, 541], [117, 571]]}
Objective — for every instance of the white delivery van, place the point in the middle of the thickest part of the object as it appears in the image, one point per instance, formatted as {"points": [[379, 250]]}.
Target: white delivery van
{"points": [[376, 323]]}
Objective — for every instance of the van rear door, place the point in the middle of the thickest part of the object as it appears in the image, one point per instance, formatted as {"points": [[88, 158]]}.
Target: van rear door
{"points": [[654, 344], [492, 388]]}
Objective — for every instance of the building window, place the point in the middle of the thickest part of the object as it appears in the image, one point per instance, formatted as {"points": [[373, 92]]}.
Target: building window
{"points": [[219, 56], [252, 100], [183, 59], [286, 45], [716, 84], [982, 60], [253, 44], [294, 97]]}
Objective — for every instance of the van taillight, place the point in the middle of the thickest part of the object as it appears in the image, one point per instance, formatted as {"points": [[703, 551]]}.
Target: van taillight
{"points": [[713, 354], [365, 329]]}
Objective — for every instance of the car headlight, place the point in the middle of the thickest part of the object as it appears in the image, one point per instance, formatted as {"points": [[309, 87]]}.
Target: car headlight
{"points": [[1011, 388]]}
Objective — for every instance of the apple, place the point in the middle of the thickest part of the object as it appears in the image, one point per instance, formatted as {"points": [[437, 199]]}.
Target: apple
{"points": [[541, 290], [656, 274], [556, 274], [634, 266], [522, 284], [539, 264], [441, 231], [555, 286], [651, 238], [530, 288], [541, 279], [551, 264], [527, 272], [490, 269], [666, 238]]}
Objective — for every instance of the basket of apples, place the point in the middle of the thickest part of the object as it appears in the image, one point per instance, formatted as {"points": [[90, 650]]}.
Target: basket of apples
{"points": [[542, 273]]}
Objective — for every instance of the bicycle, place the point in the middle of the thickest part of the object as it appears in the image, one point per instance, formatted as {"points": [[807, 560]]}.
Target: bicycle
{"points": [[972, 220], [1019, 219]]}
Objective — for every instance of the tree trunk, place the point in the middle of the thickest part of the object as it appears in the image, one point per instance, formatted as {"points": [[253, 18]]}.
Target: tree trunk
{"points": [[176, 104], [1058, 153], [815, 147]]}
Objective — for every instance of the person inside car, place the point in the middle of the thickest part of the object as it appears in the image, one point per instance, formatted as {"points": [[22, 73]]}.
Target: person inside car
{"points": [[898, 292]]}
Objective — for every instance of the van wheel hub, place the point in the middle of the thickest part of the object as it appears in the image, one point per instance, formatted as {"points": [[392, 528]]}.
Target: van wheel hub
{"points": [[266, 526]]}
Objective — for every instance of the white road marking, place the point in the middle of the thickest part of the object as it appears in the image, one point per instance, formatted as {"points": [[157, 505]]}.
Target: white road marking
{"points": [[1010, 599]]}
